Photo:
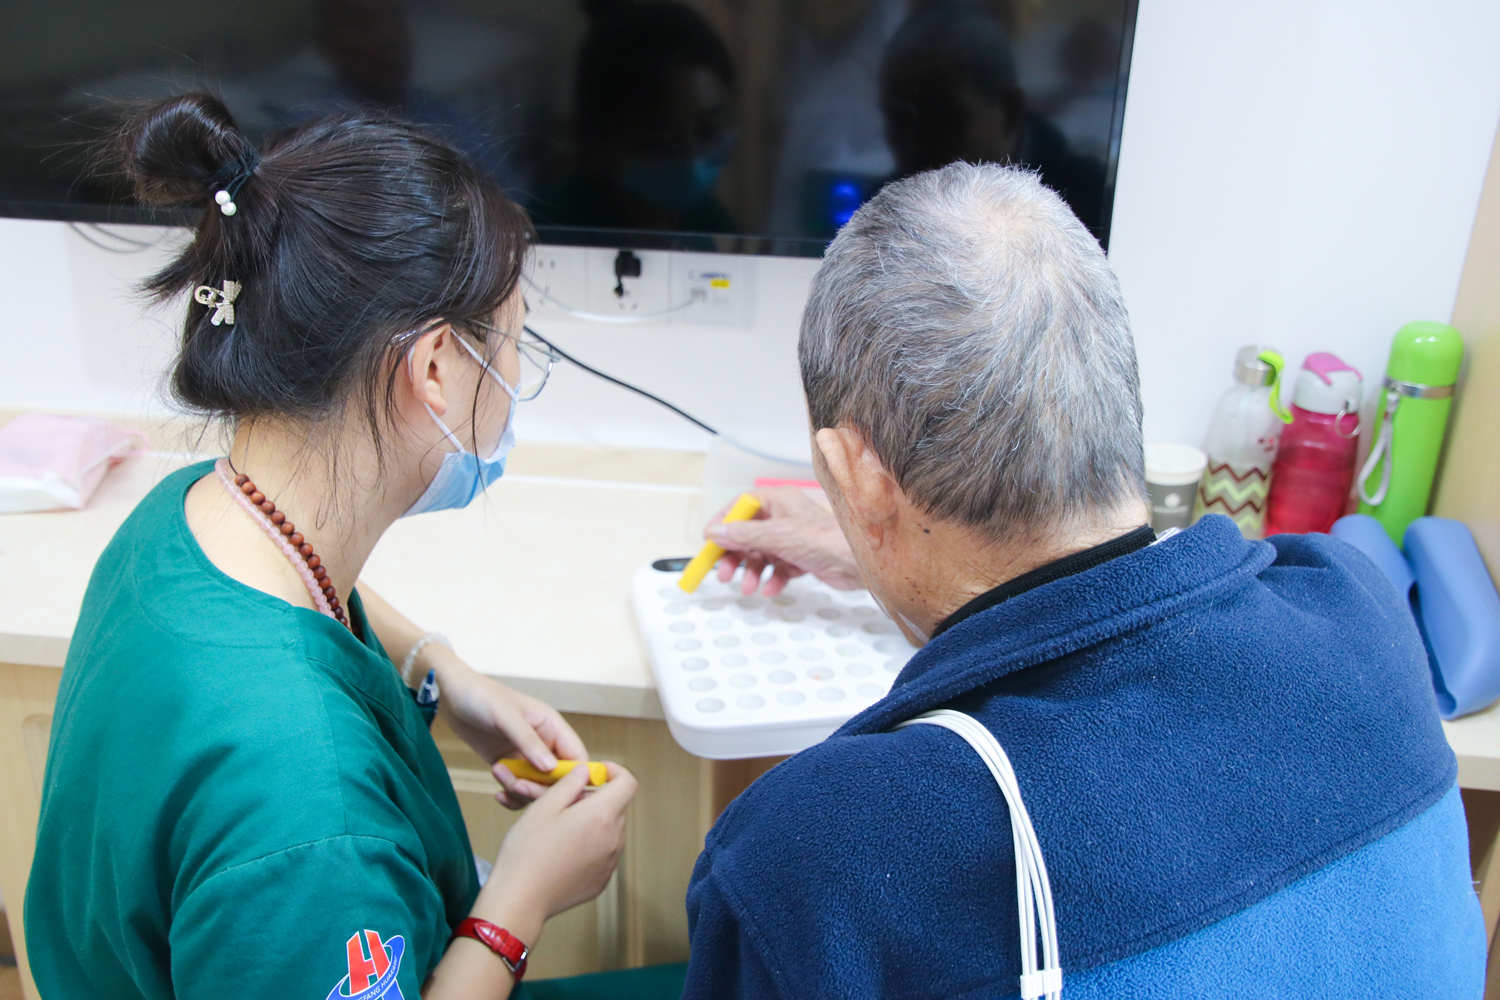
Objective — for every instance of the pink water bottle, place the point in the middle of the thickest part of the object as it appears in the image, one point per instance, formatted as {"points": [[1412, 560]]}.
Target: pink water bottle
{"points": [[1315, 467]]}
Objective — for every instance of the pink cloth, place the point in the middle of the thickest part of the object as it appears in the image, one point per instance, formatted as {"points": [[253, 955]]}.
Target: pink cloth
{"points": [[52, 462]]}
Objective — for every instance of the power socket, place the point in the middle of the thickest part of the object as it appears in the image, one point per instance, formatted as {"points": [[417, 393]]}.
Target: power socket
{"points": [[704, 289], [554, 280], [639, 297], [714, 289]]}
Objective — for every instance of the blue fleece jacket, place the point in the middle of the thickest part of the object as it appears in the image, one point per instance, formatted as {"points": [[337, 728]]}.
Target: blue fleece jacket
{"points": [[1231, 754]]}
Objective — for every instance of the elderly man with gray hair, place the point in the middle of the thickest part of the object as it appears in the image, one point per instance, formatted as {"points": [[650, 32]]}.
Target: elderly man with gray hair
{"points": [[1229, 749]]}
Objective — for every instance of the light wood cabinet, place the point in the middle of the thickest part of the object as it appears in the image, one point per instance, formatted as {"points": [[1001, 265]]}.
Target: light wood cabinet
{"points": [[26, 697]]}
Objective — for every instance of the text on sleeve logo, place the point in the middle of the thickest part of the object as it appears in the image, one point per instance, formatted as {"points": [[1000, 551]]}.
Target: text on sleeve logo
{"points": [[374, 966]]}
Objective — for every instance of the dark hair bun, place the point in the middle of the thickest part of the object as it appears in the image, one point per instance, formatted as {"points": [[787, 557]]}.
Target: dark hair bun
{"points": [[178, 151], [348, 234]]}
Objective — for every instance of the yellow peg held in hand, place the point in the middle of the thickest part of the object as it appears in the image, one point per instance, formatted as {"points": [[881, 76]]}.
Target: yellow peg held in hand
{"points": [[522, 768], [743, 509]]}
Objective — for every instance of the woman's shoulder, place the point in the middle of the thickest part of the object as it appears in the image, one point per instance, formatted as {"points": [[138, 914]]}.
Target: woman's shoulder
{"points": [[153, 579], [153, 641], [249, 747], [164, 629], [184, 686], [254, 722]]}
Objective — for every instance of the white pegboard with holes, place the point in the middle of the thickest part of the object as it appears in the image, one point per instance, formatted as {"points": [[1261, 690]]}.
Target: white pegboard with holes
{"points": [[758, 677]]}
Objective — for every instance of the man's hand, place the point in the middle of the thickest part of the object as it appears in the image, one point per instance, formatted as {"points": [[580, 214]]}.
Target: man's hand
{"points": [[793, 534]]}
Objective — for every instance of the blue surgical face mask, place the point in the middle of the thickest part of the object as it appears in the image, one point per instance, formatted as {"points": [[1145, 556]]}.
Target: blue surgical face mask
{"points": [[463, 474]]}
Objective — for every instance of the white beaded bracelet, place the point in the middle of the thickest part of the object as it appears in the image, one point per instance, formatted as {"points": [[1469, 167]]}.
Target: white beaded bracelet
{"points": [[411, 654]]}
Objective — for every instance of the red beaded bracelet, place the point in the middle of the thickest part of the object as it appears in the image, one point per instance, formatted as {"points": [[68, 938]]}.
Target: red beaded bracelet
{"points": [[498, 940]]}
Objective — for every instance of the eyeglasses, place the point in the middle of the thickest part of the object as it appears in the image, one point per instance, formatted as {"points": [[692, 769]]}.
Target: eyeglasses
{"points": [[537, 358]]}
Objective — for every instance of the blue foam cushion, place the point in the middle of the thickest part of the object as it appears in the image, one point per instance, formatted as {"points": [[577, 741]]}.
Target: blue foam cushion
{"points": [[1459, 612], [1366, 534]]}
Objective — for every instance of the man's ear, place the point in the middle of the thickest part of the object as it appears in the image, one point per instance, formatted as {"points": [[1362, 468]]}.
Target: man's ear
{"points": [[865, 488], [424, 371]]}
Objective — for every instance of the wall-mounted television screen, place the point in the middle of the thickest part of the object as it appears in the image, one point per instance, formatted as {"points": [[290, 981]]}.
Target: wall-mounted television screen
{"points": [[740, 125]]}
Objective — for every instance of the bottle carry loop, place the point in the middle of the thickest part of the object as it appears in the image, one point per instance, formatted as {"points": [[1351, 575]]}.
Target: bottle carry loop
{"points": [[1350, 407], [1033, 889], [1380, 450], [1395, 391]]}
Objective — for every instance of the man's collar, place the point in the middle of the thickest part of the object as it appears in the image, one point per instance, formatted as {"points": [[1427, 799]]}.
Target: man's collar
{"points": [[1125, 544]]}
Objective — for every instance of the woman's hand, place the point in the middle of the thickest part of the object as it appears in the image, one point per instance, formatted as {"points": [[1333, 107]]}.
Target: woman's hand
{"points": [[560, 853], [499, 721], [793, 534], [563, 849]]}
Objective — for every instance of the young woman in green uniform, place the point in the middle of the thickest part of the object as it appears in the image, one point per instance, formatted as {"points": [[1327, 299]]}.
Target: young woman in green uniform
{"points": [[242, 797]]}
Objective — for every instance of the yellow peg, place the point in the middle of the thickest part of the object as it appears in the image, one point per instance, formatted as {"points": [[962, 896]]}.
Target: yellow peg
{"points": [[523, 769], [744, 509]]}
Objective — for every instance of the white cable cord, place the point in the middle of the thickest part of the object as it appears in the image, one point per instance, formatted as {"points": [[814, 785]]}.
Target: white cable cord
{"points": [[1046, 981], [1038, 918], [592, 317], [747, 449]]}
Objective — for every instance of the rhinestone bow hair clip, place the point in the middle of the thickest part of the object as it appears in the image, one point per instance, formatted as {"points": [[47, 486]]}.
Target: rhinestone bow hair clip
{"points": [[220, 301]]}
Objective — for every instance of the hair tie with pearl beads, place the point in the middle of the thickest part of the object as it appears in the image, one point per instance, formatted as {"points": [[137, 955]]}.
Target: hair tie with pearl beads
{"points": [[225, 195]]}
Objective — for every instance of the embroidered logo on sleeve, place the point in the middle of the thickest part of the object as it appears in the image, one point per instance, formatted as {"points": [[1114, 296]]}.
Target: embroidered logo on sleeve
{"points": [[373, 968]]}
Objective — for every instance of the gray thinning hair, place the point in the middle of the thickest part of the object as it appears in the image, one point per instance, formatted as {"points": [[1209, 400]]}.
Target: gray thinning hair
{"points": [[969, 327]]}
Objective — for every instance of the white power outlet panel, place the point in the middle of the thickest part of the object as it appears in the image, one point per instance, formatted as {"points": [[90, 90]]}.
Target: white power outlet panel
{"points": [[713, 289], [703, 289], [554, 280], [645, 297]]}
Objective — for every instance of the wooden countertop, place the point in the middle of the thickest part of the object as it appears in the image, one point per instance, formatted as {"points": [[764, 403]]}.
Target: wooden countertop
{"points": [[531, 582]]}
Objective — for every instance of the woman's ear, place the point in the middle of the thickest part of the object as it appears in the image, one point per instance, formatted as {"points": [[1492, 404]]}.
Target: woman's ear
{"points": [[424, 369], [865, 489]]}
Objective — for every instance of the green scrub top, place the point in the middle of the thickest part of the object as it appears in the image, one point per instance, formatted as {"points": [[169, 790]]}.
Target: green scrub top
{"points": [[241, 798]]}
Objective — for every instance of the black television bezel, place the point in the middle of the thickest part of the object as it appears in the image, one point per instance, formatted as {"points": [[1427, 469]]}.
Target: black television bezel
{"points": [[634, 239]]}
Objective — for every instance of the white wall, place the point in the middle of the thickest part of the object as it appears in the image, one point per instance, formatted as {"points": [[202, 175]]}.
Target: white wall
{"points": [[78, 336], [743, 381], [1303, 175], [1300, 174]]}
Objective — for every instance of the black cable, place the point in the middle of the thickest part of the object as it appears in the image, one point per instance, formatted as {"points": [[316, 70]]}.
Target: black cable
{"points": [[621, 382], [84, 235], [128, 240]]}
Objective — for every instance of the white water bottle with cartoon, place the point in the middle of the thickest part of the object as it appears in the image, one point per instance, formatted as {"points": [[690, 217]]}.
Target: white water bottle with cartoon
{"points": [[1242, 442]]}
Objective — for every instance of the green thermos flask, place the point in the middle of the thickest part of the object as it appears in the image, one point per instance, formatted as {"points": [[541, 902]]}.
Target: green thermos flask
{"points": [[1396, 481]]}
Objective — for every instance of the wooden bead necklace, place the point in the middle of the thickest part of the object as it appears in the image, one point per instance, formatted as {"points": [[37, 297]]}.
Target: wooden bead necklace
{"points": [[292, 543]]}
